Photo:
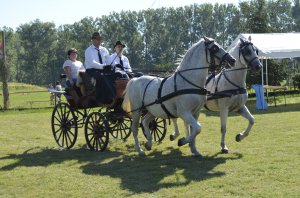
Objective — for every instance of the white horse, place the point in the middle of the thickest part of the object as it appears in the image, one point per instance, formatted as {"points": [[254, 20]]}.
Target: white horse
{"points": [[228, 90], [180, 95]]}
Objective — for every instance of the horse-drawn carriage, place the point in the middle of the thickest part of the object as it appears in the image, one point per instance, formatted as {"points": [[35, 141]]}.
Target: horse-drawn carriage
{"points": [[99, 120]]}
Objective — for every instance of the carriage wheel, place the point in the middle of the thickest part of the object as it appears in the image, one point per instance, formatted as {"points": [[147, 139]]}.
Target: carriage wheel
{"points": [[157, 128], [96, 131], [64, 125], [120, 127]]}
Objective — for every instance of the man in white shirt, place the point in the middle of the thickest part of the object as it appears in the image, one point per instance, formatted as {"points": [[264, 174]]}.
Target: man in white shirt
{"points": [[97, 67], [120, 62]]}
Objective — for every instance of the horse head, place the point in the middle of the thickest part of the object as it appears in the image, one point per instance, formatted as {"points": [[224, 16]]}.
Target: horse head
{"points": [[217, 53], [250, 54]]}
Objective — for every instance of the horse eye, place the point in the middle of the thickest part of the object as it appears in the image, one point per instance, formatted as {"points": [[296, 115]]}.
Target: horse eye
{"points": [[214, 48]]}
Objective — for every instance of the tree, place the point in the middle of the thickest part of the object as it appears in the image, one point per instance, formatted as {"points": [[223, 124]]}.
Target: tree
{"points": [[39, 41], [296, 15]]}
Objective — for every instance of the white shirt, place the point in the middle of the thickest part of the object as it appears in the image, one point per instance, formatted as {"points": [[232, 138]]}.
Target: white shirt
{"points": [[114, 59], [75, 66], [92, 58]]}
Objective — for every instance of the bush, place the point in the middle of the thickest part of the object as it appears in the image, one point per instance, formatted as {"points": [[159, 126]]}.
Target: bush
{"points": [[296, 80]]}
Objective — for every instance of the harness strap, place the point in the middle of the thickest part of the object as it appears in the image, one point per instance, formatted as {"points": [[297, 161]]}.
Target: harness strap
{"points": [[226, 93], [143, 104], [189, 81], [230, 81], [216, 89], [159, 101]]}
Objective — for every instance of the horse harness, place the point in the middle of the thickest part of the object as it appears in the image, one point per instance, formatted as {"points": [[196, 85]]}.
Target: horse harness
{"points": [[226, 93], [231, 92], [198, 90]]}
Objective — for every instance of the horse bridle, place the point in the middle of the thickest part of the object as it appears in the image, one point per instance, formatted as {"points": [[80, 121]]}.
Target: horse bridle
{"points": [[244, 50], [213, 49]]}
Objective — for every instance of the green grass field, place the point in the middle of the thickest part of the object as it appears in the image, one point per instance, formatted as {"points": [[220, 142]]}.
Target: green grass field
{"points": [[265, 164]]}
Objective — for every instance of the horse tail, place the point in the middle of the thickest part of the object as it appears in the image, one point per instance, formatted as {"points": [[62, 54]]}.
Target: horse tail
{"points": [[126, 105]]}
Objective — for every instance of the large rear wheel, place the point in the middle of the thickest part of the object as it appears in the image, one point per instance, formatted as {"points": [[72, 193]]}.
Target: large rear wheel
{"points": [[64, 125]]}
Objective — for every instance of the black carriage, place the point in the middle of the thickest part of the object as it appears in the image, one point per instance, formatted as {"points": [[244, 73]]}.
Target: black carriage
{"points": [[100, 121]]}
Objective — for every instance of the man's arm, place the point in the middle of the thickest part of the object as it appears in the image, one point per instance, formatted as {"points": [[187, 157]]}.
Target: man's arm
{"points": [[92, 61]]}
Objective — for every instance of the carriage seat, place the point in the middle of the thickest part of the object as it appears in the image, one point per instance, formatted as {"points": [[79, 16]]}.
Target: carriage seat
{"points": [[89, 84]]}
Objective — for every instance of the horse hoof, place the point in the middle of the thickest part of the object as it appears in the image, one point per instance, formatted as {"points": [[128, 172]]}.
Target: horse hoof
{"points": [[147, 147], [238, 138], [224, 151], [142, 153], [172, 137], [181, 141]]}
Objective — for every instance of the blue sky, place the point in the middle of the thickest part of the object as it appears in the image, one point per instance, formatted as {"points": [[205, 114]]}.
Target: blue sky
{"points": [[16, 12]]}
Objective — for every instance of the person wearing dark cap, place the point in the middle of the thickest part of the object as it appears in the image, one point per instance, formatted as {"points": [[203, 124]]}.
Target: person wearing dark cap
{"points": [[96, 56], [121, 62], [118, 59], [98, 67]]}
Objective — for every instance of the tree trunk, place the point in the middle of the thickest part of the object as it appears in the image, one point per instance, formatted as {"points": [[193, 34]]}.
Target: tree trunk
{"points": [[4, 76]]}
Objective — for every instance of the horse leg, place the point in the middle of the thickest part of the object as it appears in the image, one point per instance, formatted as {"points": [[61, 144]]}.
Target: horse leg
{"points": [[223, 117], [135, 129], [195, 128], [192, 144], [246, 114], [146, 121], [174, 135]]}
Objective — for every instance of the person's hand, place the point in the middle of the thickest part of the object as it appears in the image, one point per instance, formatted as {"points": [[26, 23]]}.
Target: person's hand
{"points": [[120, 66], [107, 67]]}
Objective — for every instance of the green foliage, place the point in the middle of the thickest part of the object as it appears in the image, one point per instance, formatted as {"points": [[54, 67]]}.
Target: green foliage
{"points": [[296, 80], [155, 38], [276, 73], [39, 41]]}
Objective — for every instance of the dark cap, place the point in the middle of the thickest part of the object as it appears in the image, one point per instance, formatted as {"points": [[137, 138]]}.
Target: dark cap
{"points": [[119, 43], [96, 35]]}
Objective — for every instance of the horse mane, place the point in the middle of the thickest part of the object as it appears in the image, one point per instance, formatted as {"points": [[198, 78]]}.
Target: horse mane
{"points": [[186, 58]]}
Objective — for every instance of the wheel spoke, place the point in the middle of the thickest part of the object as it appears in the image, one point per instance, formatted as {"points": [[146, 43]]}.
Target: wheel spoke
{"points": [[63, 138], [59, 129], [99, 143], [66, 139], [68, 135]]}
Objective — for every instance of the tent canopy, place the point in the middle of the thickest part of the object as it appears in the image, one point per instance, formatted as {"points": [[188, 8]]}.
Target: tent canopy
{"points": [[273, 45]]}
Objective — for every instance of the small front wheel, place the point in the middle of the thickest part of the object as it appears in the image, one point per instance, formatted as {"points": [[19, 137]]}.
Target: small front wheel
{"points": [[96, 131], [64, 125], [158, 129]]}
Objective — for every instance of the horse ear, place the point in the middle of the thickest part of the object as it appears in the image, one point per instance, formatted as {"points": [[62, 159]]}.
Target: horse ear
{"points": [[249, 38], [242, 40], [205, 38]]}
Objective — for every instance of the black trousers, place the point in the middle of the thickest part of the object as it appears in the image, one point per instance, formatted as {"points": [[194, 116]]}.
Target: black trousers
{"points": [[105, 85]]}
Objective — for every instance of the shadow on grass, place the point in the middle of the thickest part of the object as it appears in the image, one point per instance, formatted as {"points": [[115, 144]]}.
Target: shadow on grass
{"points": [[157, 170], [137, 174], [48, 156]]}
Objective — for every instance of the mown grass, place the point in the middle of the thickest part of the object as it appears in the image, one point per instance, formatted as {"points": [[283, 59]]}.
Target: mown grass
{"points": [[26, 96], [265, 164]]}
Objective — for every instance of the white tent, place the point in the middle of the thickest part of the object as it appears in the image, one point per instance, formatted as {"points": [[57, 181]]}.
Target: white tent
{"points": [[273, 46]]}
